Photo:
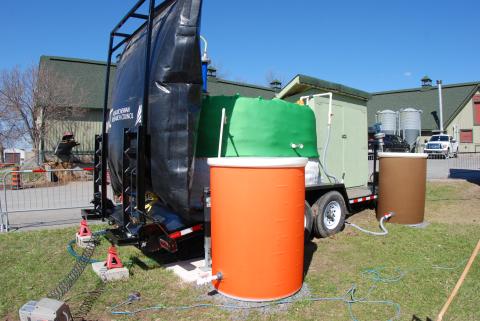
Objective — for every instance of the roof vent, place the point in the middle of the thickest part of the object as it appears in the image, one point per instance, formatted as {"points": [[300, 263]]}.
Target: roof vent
{"points": [[276, 85], [212, 71], [426, 82]]}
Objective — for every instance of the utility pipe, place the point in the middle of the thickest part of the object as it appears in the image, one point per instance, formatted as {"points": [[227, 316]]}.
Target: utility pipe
{"points": [[440, 104], [220, 139], [329, 127], [209, 278], [205, 63]]}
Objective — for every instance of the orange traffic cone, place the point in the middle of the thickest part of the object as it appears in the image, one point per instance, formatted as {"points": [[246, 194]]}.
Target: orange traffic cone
{"points": [[113, 260], [84, 229]]}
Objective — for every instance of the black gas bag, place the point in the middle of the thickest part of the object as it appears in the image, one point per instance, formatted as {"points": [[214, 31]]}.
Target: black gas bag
{"points": [[174, 102]]}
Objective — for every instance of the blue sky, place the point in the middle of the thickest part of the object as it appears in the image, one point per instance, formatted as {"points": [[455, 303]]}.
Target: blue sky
{"points": [[369, 45]]}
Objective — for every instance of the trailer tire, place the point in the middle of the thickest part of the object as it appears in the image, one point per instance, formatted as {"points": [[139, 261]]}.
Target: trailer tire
{"points": [[330, 210], [308, 222]]}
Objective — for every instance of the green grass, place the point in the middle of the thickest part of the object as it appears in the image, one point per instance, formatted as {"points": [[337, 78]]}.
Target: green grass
{"points": [[32, 263]]}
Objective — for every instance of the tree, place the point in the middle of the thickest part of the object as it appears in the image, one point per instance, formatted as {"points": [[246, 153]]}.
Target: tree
{"points": [[33, 99]]}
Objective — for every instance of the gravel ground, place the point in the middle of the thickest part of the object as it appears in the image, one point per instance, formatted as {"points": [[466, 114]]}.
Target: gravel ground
{"points": [[241, 309]]}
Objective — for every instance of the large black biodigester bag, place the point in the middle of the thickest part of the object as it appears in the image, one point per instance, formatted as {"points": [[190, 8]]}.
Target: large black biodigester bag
{"points": [[174, 102]]}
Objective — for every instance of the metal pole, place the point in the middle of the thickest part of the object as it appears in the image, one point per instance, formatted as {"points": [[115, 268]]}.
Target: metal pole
{"points": [[142, 129], [440, 104], [104, 144], [207, 244]]}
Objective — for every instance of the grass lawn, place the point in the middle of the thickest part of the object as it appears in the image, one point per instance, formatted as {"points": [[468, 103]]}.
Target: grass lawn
{"points": [[32, 263]]}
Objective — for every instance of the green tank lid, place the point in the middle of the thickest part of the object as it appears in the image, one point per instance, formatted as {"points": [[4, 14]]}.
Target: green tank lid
{"points": [[256, 127]]}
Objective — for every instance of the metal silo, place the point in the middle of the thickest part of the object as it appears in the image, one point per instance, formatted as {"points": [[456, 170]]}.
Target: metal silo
{"points": [[388, 118], [410, 125]]}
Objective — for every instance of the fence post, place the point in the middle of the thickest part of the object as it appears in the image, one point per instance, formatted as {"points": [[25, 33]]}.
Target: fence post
{"points": [[4, 223]]}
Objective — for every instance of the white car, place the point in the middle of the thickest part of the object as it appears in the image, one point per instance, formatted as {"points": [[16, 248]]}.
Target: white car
{"points": [[442, 144]]}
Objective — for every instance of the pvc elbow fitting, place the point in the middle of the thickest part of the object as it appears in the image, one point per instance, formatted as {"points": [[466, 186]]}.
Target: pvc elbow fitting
{"points": [[210, 278], [295, 146]]}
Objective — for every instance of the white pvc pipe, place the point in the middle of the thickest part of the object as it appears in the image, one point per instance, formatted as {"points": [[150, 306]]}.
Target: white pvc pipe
{"points": [[440, 104], [221, 134], [209, 279], [329, 127], [205, 44]]}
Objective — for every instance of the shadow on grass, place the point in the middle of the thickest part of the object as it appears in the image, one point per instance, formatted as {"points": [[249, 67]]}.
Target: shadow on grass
{"points": [[189, 249], [86, 306], [310, 248], [415, 318]]}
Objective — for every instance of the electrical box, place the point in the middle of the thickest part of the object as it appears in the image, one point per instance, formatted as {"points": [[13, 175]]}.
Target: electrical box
{"points": [[347, 153], [45, 310]]}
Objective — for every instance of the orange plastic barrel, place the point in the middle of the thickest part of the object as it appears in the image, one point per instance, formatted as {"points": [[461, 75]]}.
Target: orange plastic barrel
{"points": [[257, 226]]}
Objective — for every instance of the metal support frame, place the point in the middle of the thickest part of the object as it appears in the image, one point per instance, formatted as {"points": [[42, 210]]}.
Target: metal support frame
{"points": [[135, 142], [101, 170]]}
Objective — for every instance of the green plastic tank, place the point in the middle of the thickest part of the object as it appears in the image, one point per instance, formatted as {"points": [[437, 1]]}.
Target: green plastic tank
{"points": [[256, 127]]}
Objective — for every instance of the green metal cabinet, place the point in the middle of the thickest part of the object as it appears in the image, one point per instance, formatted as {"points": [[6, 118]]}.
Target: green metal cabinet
{"points": [[347, 154]]}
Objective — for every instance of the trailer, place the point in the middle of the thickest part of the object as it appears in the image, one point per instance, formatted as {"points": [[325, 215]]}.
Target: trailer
{"points": [[137, 154]]}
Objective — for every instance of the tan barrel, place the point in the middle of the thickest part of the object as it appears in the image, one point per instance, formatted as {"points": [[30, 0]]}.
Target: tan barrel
{"points": [[402, 186]]}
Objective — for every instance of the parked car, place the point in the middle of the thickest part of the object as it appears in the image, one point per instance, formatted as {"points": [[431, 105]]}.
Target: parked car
{"points": [[443, 145], [391, 143]]}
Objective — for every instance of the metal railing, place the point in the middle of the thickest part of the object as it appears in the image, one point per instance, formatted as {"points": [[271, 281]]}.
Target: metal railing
{"points": [[464, 165], [29, 191]]}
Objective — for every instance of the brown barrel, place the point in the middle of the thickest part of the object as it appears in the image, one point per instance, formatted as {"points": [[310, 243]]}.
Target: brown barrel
{"points": [[16, 181], [402, 186]]}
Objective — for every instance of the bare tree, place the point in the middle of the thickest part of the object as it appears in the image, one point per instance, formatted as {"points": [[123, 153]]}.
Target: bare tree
{"points": [[35, 99], [10, 131]]}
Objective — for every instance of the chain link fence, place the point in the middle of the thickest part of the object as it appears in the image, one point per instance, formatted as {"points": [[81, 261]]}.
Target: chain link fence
{"points": [[460, 166]]}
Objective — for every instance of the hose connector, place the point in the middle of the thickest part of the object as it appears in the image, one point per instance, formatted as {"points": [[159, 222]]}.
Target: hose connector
{"points": [[295, 146], [210, 278], [389, 215]]}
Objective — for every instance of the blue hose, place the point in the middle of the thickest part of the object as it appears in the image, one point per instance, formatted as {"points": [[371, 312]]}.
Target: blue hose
{"points": [[349, 299], [73, 253]]}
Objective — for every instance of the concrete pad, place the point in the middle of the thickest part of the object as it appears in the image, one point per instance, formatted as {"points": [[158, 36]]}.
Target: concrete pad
{"points": [[190, 270], [83, 241], [109, 275]]}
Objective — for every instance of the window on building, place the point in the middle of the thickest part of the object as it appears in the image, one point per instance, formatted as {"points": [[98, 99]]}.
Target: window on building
{"points": [[476, 110], [466, 136]]}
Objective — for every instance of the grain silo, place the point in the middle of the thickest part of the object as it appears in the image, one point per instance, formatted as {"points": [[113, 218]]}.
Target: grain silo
{"points": [[388, 119], [410, 125]]}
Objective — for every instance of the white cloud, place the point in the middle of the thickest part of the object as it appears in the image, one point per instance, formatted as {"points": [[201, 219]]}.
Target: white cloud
{"points": [[407, 73]]}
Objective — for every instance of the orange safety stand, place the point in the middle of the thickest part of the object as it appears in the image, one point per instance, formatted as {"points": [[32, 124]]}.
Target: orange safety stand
{"points": [[113, 260], [16, 180], [84, 229]]}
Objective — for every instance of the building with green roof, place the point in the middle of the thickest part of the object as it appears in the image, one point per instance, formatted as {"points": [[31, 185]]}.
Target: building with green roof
{"points": [[461, 102], [88, 79], [461, 109]]}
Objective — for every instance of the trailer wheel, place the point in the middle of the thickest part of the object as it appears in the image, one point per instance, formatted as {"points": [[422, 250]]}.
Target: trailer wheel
{"points": [[330, 214], [308, 222]]}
